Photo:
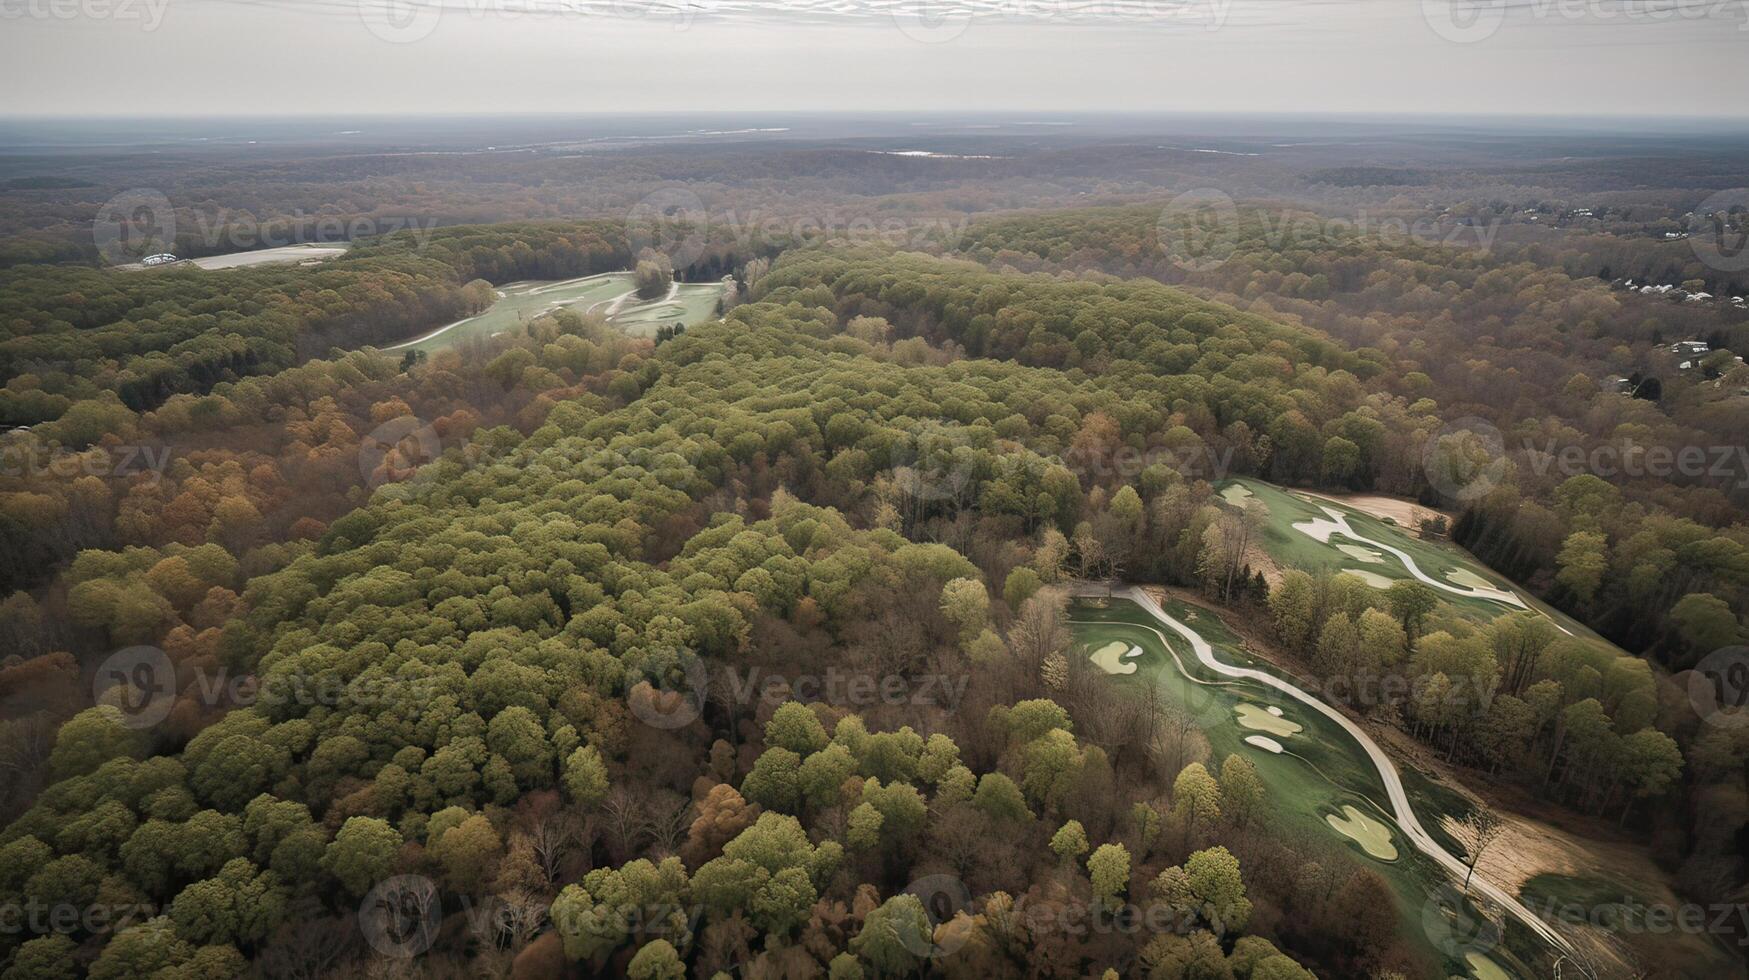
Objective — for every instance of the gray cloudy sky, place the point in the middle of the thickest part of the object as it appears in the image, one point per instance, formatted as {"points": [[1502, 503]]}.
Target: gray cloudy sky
{"points": [[157, 57]]}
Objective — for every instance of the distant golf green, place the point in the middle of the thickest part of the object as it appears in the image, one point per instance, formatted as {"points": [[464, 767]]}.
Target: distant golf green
{"points": [[1110, 657], [1262, 720], [612, 294], [687, 303], [1372, 835]]}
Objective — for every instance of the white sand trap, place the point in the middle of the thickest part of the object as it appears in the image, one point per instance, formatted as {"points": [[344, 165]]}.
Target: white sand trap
{"points": [[1272, 709], [1484, 968], [1236, 494], [1319, 530], [1258, 719], [1373, 579], [1116, 657], [1263, 742], [1358, 553], [1373, 836]]}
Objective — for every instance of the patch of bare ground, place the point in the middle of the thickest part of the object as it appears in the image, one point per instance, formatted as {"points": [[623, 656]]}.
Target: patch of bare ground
{"points": [[1260, 561], [1544, 838]]}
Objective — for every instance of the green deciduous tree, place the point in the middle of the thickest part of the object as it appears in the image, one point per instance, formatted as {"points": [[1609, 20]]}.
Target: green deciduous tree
{"points": [[1109, 867], [362, 853]]}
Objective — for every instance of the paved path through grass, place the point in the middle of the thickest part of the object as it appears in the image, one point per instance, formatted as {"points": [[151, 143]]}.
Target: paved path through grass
{"points": [[1387, 770], [1338, 524]]}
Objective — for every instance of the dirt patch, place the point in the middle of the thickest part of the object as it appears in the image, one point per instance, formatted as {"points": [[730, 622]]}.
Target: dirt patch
{"points": [[1260, 561], [1540, 838]]}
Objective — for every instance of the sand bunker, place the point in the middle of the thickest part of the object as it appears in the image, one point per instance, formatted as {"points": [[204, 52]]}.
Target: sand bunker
{"points": [[1259, 719], [1373, 579], [1358, 553], [1263, 742], [1319, 530], [1116, 657], [1373, 836]]}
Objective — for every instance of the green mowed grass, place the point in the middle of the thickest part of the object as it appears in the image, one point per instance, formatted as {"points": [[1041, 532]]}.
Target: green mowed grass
{"points": [[524, 301], [1442, 560], [1642, 913], [1320, 771], [1555, 891], [521, 302], [694, 303]]}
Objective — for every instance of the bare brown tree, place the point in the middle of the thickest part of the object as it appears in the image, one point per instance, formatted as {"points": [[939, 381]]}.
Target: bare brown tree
{"points": [[1480, 828]]}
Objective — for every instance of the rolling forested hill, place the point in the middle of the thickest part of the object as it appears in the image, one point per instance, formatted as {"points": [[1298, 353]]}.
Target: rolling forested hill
{"points": [[548, 628]]}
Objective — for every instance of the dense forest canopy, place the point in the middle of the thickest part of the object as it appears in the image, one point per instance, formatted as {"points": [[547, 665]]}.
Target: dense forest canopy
{"points": [[719, 651]]}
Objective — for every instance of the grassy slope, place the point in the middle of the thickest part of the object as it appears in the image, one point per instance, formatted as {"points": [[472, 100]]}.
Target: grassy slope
{"points": [[1431, 797], [1320, 770], [1292, 549], [523, 301]]}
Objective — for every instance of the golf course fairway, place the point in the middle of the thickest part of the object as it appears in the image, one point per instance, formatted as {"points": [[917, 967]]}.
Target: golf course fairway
{"points": [[611, 294], [1326, 772]]}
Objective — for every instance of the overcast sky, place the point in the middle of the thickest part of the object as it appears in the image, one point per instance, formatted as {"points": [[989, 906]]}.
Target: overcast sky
{"points": [[160, 57]]}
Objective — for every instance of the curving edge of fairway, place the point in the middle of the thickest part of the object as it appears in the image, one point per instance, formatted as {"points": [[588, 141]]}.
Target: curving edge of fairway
{"points": [[1402, 812]]}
